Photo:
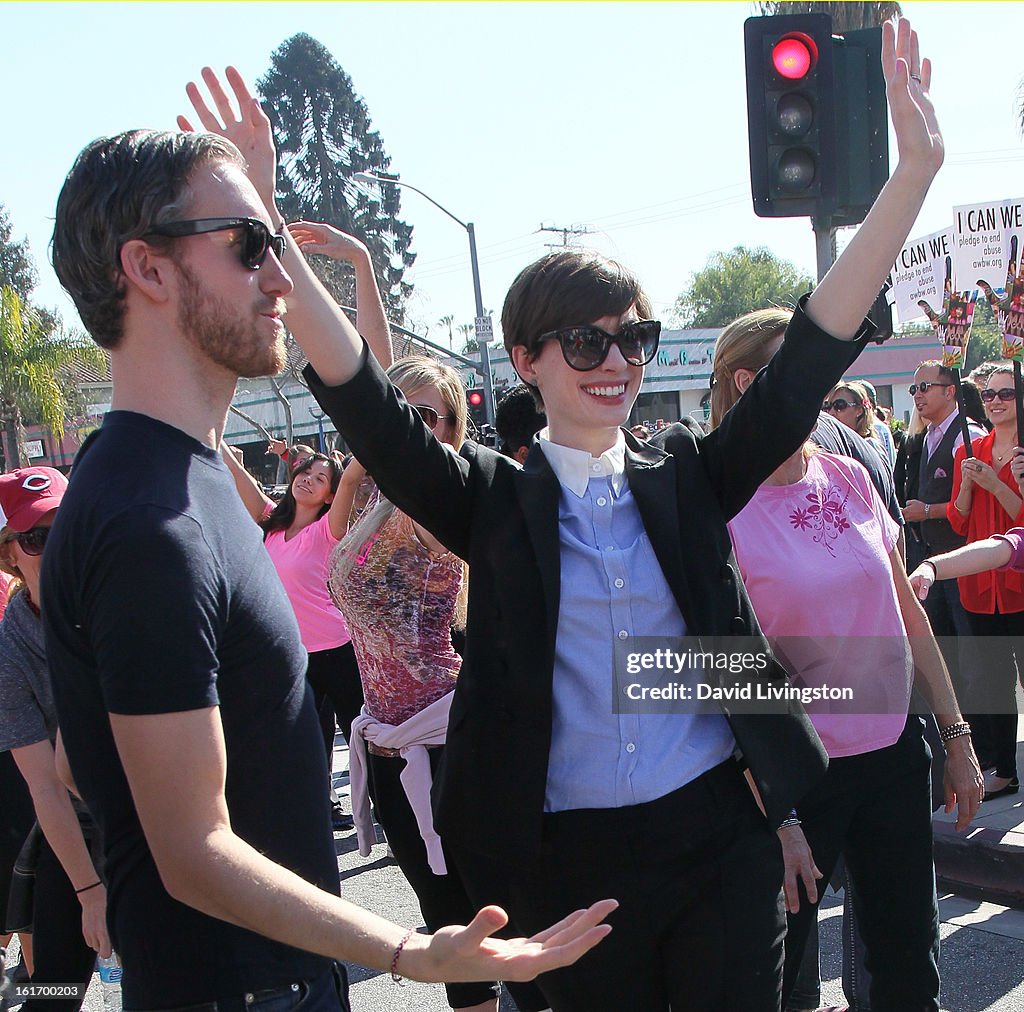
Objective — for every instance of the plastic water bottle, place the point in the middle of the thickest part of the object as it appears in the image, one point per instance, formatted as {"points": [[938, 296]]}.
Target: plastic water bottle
{"points": [[109, 968]]}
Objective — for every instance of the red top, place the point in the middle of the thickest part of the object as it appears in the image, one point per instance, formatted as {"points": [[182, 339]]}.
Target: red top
{"points": [[994, 589]]}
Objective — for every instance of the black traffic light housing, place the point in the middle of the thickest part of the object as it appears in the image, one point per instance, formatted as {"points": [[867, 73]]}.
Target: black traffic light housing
{"points": [[476, 403], [816, 117]]}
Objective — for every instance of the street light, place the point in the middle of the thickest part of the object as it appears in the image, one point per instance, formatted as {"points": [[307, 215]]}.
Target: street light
{"points": [[482, 328]]}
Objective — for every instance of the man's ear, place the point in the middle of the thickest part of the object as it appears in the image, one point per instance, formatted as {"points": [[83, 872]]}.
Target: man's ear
{"points": [[743, 378], [146, 270]]}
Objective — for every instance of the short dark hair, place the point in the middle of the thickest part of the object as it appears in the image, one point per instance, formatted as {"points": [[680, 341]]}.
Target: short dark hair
{"points": [[517, 418], [945, 373], [118, 189], [567, 288]]}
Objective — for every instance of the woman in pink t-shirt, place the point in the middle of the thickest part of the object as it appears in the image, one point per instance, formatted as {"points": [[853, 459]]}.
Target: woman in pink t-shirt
{"points": [[300, 532], [818, 555]]}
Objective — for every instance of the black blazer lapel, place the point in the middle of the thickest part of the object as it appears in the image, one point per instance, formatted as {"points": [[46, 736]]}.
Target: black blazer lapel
{"points": [[651, 473], [538, 491]]}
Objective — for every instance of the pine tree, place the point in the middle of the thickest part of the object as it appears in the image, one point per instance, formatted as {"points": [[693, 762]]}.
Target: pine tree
{"points": [[323, 136]]}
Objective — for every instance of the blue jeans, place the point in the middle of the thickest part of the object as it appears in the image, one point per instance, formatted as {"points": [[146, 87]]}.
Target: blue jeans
{"points": [[327, 992], [875, 808]]}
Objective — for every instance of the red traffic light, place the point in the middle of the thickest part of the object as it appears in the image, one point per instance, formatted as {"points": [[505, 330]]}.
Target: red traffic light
{"points": [[794, 56], [475, 398]]}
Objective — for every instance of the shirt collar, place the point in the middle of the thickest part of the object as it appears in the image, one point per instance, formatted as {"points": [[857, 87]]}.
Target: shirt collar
{"points": [[574, 468], [946, 422]]}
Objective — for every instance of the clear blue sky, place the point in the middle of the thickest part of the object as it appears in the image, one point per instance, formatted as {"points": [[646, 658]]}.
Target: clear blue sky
{"points": [[625, 117]]}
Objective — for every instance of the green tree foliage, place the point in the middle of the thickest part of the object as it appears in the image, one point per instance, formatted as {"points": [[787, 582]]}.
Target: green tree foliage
{"points": [[35, 363], [323, 134], [986, 344], [846, 17], [736, 282], [16, 266]]}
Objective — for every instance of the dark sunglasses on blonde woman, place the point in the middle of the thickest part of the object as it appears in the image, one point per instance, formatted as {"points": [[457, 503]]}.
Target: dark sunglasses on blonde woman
{"points": [[431, 417]]}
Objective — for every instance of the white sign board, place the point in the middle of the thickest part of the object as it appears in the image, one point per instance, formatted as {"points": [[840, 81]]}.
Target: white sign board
{"points": [[34, 448], [920, 273], [981, 242]]}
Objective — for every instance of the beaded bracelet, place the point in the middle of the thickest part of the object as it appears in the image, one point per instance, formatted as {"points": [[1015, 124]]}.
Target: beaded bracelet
{"points": [[958, 730], [398, 952]]}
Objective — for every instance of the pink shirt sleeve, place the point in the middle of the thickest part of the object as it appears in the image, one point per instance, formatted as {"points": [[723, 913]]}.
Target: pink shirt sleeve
{"points": [[1014, 537]]}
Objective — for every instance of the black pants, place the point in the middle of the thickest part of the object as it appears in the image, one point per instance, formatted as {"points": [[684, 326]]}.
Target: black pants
{"points": [[60, 953], [16, 818], [698, 875], [999, 649], [443, 899], [875, 808], [334, 677]]}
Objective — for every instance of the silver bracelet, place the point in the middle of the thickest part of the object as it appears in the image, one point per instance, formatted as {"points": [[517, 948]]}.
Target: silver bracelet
{"points": [[951, 731]]}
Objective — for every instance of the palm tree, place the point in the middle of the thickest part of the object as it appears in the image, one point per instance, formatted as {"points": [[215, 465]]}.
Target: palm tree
{"points": [[846, 17], [34, 363]]}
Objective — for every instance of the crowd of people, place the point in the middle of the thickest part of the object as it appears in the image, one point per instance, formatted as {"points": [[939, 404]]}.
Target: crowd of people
{"points": [[461, 618]]}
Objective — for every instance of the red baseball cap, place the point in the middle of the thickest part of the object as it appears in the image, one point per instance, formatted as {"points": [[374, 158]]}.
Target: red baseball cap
{"points": [[29, 493]]}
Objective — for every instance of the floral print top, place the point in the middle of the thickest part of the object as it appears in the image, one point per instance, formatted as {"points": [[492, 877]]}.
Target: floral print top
{"points": [[399, 601]]}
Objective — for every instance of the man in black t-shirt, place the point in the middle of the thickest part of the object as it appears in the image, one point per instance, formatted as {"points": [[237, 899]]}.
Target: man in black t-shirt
{"points": [[177, 665]]}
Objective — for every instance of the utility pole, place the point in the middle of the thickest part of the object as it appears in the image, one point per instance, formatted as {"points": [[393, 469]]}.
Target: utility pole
{"points": [[570, 230]]}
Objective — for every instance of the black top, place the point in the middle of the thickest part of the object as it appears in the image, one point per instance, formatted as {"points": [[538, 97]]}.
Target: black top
{"points": [[160, 598]]}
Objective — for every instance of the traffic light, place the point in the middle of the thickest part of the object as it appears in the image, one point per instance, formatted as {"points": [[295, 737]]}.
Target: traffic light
{"points": [[816, 117], [790, 113], [477, 406]]}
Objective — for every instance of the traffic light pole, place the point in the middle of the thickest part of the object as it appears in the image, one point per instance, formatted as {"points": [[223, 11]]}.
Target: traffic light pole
{"points": [[824, 244]]}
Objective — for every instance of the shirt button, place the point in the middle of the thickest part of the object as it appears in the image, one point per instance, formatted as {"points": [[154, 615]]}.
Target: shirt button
{"points": [[595, 467], [620, 583], [623, 634], [631, 747], [602, 501]]}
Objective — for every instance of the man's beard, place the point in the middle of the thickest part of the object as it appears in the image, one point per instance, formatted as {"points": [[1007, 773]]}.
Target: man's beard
{"points": [[224, 335]]}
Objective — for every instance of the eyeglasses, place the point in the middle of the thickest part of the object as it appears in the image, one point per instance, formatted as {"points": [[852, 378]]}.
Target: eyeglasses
{"points": [[431, 417], [32, 541], [1005, 394], [839, 404], [585, 348], [257, 239], [925, 385]]}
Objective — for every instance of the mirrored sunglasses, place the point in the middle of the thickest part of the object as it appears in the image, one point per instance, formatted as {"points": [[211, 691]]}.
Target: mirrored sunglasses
{"points": [[585, 348], [257, 239], [32, 541], [925, 385], [431, 417], [1006, 394]]}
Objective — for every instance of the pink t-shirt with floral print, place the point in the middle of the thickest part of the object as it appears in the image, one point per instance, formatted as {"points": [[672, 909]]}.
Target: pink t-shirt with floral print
{"points": [[814, 557]]}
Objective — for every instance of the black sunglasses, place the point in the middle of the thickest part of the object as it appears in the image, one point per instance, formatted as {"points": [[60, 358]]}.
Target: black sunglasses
{"points": [[1005, 394], [839, 404], [585, 348], [32, 541], [430, 416], [256, 237], [925, 385]]}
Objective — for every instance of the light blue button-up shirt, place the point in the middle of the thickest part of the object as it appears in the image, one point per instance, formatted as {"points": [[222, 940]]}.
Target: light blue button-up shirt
{"points": [[612, 587]]}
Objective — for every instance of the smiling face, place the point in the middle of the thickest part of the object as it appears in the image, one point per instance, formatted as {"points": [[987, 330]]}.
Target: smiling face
{"points": [[312, 485], [1001, 413], [584, 409], [851, 415]]}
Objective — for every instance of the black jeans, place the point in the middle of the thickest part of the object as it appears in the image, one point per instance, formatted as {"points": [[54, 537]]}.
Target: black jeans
{"points": [[999, 648], [334, 677], [698, 875], [443, 898], [60, 953], [875, 808]]}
